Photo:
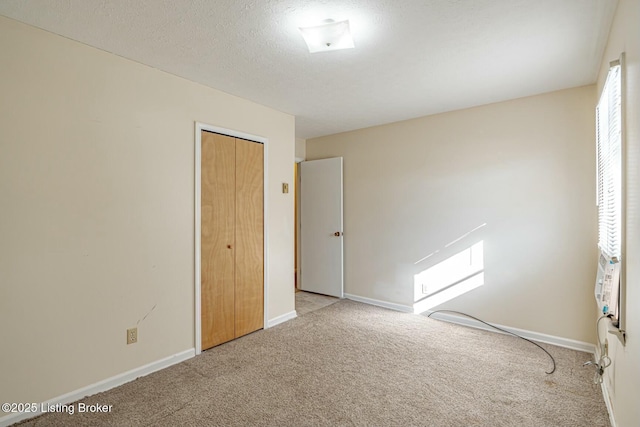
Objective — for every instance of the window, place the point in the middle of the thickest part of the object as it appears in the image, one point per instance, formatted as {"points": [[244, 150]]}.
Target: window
{"points": [[610, 194], [609, 158]]}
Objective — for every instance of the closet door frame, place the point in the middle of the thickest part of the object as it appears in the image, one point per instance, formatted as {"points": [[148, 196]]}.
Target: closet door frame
{"points": [[199, 127]]}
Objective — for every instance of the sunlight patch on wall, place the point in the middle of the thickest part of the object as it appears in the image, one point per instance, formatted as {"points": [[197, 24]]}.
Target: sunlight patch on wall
{"points": [[450, 243], [450, 278]]}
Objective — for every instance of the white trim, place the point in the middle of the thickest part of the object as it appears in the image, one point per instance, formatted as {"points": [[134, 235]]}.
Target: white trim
{"points": [[197, 222], [607, 402], [281, 319], [535, 336], [199, 127], [231, 132], [622, 313], [265, 227], [384, 304], [299, 159], [103, 385]]}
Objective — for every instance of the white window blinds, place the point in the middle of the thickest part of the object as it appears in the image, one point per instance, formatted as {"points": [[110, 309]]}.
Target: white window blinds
{"points": [[609, 164]]}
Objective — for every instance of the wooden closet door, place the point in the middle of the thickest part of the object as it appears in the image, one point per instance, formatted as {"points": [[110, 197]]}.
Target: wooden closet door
{"points": [[249, 301], [217, 239]]}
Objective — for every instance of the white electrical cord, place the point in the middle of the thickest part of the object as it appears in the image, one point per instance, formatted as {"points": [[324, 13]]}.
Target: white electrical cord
{"points": [[604, 361]]}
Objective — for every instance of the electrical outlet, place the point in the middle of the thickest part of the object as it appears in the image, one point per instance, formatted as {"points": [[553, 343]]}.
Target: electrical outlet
{"points": [[132, 336]]}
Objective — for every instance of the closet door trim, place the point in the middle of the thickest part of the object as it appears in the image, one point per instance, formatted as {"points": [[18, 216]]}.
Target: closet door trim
{"points": [[199, 127]]}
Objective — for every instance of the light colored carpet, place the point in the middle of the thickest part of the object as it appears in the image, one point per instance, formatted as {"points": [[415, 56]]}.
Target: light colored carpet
{"points": [[351, 364]]}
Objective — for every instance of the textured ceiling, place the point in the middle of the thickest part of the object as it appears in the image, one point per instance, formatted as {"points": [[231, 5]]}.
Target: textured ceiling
{"points": [[412, 57]]}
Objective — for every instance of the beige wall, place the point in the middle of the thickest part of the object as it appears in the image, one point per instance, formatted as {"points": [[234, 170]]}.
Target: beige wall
{"points": [[301, 149], [623, 377], [97, 210], [523, 167]]}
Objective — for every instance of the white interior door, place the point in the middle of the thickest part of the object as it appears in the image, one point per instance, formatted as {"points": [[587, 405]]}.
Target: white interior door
{"points": [[321, 226]]}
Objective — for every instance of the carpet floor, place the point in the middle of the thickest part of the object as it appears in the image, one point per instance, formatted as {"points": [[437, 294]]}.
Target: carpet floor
{"points": [[351, 364]]}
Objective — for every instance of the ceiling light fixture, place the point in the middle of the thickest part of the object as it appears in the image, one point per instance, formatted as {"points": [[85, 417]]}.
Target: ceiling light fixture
{"points": [[330, 35]]}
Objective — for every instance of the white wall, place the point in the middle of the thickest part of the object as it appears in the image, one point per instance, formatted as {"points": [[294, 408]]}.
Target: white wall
{"points": [[524, 167], [623, 377], [97, 210]]}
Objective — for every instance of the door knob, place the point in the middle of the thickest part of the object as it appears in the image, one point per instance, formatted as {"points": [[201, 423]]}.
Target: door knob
{"points": [[337, 234]]}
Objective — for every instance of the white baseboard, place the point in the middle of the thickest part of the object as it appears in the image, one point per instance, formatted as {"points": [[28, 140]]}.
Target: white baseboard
{"points": [[607, 401], [535, 336], [282, 318], [385, 304], [101, 386]]}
